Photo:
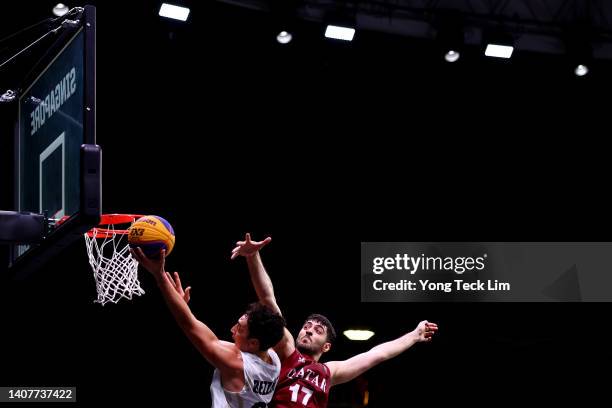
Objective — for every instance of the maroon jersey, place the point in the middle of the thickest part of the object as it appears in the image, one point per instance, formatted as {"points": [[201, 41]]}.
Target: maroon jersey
{"points": [[302, 383]]}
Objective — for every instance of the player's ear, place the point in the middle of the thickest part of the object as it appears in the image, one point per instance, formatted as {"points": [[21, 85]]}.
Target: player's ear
{"points": [[254, 344], [326, 347]]}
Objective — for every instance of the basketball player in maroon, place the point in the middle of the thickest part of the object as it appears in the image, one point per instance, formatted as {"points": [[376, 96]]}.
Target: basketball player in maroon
{"points": [[304, 381]]}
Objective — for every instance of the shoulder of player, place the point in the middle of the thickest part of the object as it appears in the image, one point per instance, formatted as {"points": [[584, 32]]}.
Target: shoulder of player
{"points": [[227, 344], [329, 367], [230, 348], [230, 355], [324, 366]]}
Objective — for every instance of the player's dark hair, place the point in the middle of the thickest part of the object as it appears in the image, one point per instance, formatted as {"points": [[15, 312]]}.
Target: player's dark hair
{"points": [[265, 325]]}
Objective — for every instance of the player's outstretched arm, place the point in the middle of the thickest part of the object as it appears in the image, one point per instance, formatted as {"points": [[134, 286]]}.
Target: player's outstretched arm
{"points": [[220, 354], [344, 371], [262, 283]]}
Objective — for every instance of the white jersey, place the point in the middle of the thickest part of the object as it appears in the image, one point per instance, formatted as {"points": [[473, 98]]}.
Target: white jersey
{"points": [[260, 380]]}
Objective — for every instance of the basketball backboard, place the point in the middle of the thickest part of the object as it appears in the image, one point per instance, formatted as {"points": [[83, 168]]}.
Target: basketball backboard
{"points": [[57, 163]]}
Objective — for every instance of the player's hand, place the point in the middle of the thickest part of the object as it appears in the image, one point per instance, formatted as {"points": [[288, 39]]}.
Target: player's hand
{"points": [[176, 282], [425, 330], [154, 266], [248, 248]]}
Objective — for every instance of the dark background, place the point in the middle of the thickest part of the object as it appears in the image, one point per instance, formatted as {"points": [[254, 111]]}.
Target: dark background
{"points": [[219, 129]]}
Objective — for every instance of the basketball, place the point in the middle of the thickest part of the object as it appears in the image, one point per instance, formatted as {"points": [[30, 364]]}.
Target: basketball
{"points": [[152, 234]]}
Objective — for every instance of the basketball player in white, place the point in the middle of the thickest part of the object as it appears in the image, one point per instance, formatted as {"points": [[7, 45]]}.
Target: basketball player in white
{"points": [[247, 370]]}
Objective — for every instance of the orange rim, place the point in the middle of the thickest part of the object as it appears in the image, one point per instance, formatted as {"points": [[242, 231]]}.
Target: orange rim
{"points": [[112, 219]]}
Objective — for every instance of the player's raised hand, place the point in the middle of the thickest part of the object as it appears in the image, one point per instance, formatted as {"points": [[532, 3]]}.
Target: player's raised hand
{"points": [[248, 247], [154, 266], [425, 330], [176, 282]]}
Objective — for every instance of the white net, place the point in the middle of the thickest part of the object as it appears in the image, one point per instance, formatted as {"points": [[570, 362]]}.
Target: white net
{"points": [[114, 269]]}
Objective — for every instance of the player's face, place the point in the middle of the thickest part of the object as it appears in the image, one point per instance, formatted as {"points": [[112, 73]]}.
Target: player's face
{"points": [[240, 332], [312, 338]]}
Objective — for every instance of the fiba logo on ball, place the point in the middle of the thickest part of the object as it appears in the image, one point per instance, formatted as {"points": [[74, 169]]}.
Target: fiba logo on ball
{"points": [[151, 233]]}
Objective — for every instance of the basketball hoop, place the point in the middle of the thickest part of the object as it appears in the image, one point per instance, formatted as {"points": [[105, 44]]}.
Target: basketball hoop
{"points": [[114, 269]]}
